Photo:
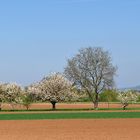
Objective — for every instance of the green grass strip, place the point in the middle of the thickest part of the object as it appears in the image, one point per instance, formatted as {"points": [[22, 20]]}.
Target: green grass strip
{"points": [[80, 115], [70, 109]]}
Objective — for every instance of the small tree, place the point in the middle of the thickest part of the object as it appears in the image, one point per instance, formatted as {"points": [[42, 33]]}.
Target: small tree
{"points": [[127, 97], [92, 71], [12, 94], [26, 100], [30, 94], [55, 88]]}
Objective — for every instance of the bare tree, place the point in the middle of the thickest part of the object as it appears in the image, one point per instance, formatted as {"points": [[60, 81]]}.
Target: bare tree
{"points": [[92, 71]]}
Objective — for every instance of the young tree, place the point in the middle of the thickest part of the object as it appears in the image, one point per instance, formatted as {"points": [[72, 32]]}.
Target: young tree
{"points": [[127, 97], [12, 94], [30, 94], [55, 88], [26, 100], [92, 71]]}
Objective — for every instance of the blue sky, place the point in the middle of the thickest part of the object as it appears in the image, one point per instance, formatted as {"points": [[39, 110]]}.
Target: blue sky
{"points": [[38, 36]]}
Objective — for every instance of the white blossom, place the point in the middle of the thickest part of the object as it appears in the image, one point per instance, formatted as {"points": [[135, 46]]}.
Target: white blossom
{"points": [[56, 88], [12, 93], [126, 97]]}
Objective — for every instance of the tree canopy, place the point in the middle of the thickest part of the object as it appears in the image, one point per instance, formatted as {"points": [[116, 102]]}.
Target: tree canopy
{"points": [[91, 70]]}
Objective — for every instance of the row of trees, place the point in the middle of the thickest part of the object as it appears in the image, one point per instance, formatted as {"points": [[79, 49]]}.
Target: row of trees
{"points": [[53, 88], [89, 72]]}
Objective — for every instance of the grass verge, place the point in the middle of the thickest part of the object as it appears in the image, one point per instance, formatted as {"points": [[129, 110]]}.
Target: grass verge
{"points": [[69, 109], [77, 115]]}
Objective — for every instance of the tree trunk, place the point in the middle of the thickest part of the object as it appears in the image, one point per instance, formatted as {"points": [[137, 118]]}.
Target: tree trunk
{"points": [[108, 104], [0, 106], [53, 105], [96, 101], [124, 106], [27, 107], [96, 105]]}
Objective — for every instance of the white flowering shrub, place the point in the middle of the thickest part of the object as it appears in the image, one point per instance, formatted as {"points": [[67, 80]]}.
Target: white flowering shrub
{"points": [[12, 94], [34, 91], [126, 97], [1, 96], [55, 88]]}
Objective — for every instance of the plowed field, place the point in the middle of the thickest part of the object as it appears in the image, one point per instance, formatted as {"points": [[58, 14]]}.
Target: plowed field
{"points": [[70, 106], [100, 129]]}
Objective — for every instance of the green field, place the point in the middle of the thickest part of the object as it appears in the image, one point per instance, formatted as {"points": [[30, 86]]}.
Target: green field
{"points": [[77, 115]]}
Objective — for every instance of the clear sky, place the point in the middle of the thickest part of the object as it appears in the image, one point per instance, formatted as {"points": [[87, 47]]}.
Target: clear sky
{"points": [[38, 36]]}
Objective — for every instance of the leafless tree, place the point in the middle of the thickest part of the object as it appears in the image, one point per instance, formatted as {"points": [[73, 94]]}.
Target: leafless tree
{"points": [[92, 71]]}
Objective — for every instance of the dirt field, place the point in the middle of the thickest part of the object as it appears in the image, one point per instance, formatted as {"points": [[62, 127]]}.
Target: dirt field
{"points": [[109, 129], [72, 105]]}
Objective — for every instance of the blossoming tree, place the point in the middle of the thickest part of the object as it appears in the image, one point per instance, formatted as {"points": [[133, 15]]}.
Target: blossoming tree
{"points": [[56, 88], [1, 96], [126, 97], [12, 93]]}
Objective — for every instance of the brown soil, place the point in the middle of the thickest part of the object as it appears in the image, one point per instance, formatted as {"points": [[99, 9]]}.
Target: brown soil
{"points": [[102, 129], [70, 106]]}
